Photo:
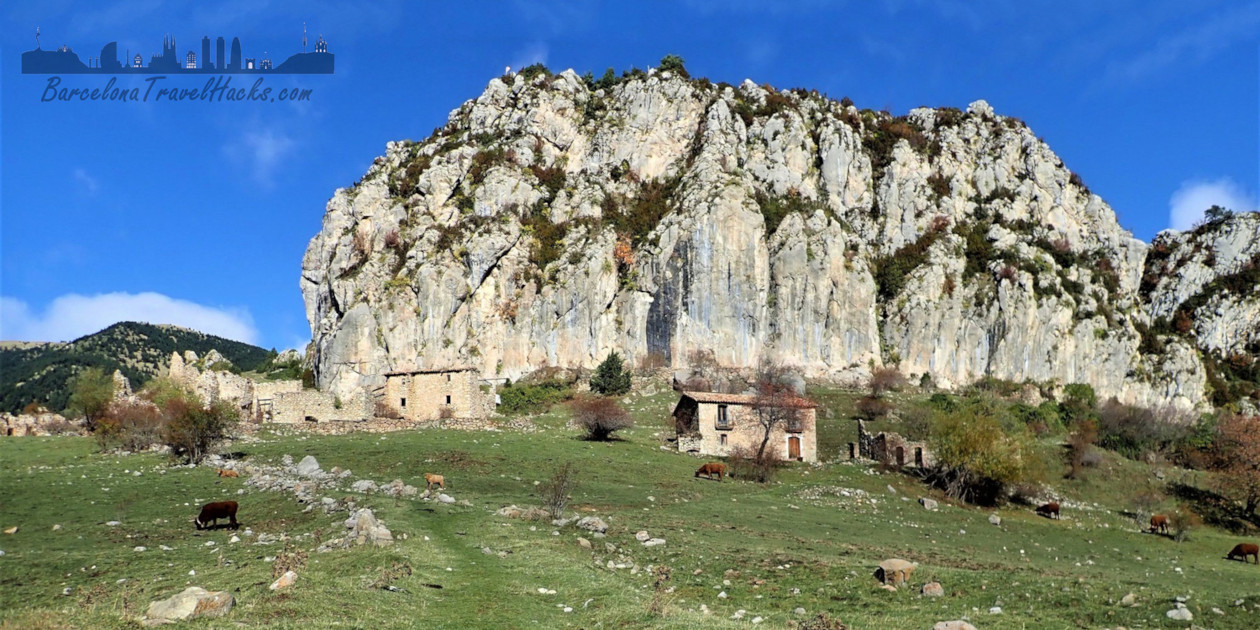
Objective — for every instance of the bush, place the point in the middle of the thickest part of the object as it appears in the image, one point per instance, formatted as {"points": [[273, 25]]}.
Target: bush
{"points": [[886, 379], [1138, 433], [1079, 402], [599, 417], [1181, 522], [673, 63], [1080, 443], [871, 408], [975, 459], [555, 492], [386, 410], [611, 378], [534, 397], [745, 464], [193, 431], [92, 391], [131, 426]]}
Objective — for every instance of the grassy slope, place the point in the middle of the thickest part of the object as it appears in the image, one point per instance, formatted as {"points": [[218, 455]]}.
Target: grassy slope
{"points": [[1044, 574]]}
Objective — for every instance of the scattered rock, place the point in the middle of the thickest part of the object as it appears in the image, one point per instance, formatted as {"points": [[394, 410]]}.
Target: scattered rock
{"points": [[895, 571], [446, 498], [193, 602], [654, 542], [592, 524], [888, 587], [284, 581], [1180, 614], [798, 611], [642, 536], [996, 610], [994, 519], [929, 504], [933, 589], [113, 523], [584, 543], [1129, 600], [139, 548], [363, 485], [308, 467], [57, 527], [12, 530], [957, 624], [722, 595], [364, 529]]}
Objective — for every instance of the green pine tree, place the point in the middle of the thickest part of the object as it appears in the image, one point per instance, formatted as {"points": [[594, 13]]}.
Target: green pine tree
{"points": [[611, 378]]}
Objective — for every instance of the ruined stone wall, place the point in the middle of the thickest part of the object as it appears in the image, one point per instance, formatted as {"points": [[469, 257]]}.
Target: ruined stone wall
{"points": [[296, 407]]}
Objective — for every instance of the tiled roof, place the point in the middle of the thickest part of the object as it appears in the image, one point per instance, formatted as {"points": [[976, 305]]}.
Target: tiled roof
{"points": [[744, 399]]}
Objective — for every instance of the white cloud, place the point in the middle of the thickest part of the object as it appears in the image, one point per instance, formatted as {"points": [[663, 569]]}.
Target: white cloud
{"points": [[71, 316], [260, 152], [88, 182], [1186, 206], [530, 55]]}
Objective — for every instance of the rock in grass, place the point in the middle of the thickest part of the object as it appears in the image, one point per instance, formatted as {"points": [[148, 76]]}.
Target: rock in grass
{"points": [[192, 602], [1129, 600], [593, 524], [308, 466], [994, 519], [1180, 613], [928, 504], [957, 624], [284, 581], [584, 543], [933, 589], [642, 535]]}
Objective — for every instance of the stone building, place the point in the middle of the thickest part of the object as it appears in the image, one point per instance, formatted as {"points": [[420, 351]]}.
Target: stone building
{"points": [[890, 448], [714, 424], [423, 395], [293, 407], [265, 394]]}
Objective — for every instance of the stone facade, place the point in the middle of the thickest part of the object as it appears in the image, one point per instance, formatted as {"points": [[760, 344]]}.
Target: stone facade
{"points": [[423, 395], [265, 394], [294, 407], [715, 424], [890, 448]]}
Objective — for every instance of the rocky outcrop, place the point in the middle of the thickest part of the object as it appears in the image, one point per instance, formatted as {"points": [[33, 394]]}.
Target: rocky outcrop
{"points": [[549, 222], [209, 377]]}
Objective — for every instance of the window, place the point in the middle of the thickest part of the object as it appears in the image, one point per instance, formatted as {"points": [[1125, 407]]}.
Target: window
{"points": [[723, 420], [448, 379], [448, 400], [794, 425], [402, 402], [723, 438]]}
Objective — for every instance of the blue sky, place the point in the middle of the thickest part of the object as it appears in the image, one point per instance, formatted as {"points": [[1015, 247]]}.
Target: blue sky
{"points": [[199, 213]]}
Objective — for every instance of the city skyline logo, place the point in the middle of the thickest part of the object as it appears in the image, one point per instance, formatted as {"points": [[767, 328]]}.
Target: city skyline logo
{"points": [[227, 59]]}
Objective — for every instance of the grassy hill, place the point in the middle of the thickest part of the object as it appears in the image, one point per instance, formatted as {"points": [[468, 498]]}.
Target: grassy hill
{"points": [[808, 541], [39, 372]]}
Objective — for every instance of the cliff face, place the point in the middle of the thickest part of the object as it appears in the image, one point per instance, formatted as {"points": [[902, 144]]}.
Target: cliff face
{"points": [[548, 223]]}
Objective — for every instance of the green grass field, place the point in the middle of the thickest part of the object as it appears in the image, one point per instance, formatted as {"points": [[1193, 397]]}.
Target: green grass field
{"points": [[811, 540]]}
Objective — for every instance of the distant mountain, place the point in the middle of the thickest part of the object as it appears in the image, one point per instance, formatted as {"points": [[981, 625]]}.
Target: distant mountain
{"points": [[38, 372]]}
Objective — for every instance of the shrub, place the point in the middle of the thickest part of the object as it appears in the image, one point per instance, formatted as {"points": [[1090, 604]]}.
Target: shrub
{"points": [[1181, 522], [556, 491], [92, 390], [1079, 402], [386, 410], [747, 465], [193, 431], [531, 71], [599, 417], [871, 408], [611, 378], [975, 459], [1079, 445], [1138, 433], [892, 271], [886, 379], [533, 397], [131, 426], [674, 63]]}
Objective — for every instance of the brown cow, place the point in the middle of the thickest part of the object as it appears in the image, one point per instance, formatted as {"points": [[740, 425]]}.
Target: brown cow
{"points": [[1242, 550], [227, 473], [212, 512], [431, 480], [1049, 510], [712, 468], [1159, 523]]}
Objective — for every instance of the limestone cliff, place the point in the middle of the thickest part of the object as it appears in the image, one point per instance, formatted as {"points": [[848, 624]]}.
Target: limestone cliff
{"points": [[553, 219]]}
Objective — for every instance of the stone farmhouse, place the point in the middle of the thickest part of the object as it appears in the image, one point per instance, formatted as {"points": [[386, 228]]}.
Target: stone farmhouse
{"points": [[890, 448], [424, 395], [714, 424]]}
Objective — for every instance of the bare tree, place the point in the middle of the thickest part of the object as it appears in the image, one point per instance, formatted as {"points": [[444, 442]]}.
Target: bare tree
{"points": [[886, 379], [555, 492], [775, 404], [599, 417]]}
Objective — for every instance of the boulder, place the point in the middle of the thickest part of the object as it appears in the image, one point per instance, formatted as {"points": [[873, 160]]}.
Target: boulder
{"points": [[308, 466], [363, 485], [192, 602], [365, 529], [1180, 613], [642, 535], [994, 519], [957, 624], [446, 498], [895, 571], [592, 524], [933, 589], [928, 504], [284, 581]]}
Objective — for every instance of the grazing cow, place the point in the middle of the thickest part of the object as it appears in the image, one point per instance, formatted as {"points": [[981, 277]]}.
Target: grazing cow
{"points": [[212, 512], [431, 480], [1159, 523], [712, 468], [1242, 550], [1049, 510], [227, 473]]}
